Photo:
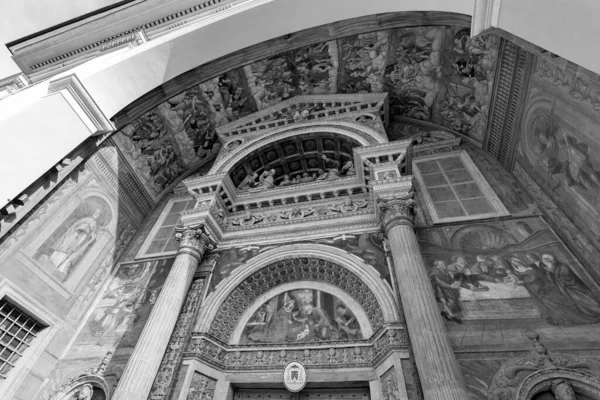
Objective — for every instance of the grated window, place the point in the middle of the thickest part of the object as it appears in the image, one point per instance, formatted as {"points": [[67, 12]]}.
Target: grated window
{"points": [[17, 331]]}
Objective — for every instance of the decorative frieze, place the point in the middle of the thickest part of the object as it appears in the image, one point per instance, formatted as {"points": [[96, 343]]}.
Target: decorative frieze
{"points": [[202, 387], [364, 353], [181, 334]]}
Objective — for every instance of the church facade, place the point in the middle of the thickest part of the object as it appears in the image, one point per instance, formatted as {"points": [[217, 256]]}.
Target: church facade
{"points": [[393, 210]]}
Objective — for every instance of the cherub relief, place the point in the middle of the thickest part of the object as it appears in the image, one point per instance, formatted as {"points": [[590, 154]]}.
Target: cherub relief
{"points": [[348, 206]]}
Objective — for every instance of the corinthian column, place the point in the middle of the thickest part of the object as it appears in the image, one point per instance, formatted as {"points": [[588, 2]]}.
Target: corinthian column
{"points": [[141, 369], [440, 374]]}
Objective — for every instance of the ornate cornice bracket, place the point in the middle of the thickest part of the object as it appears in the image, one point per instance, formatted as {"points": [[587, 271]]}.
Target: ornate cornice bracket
{"points": [[396, 210]]}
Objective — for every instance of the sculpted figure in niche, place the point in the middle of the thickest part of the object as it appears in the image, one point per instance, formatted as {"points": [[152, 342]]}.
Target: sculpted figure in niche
{"points": [[70, 242], [75, 242], [562, 390], [286, 181], [85, 393], [248, 182], [332, 167], [322, 175], [306, 177], [348, 169], [267, 179]]}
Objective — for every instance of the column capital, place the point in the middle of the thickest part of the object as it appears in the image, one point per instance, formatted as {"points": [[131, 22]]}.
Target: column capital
{"points": [[193, 240], [397, 210]]}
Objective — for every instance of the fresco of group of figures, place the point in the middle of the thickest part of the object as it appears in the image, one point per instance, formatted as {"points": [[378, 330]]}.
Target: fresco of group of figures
{"points": [[437, 74], [119, 317], [369, 247], [510, 269], [560, 151], [302, 315]]}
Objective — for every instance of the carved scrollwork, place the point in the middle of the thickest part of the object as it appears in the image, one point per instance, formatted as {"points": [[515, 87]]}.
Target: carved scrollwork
{"points": [[172, 358], [521, 377], [290, 270]]}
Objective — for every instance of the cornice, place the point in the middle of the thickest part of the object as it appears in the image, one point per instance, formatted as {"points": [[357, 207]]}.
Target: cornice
{"points": [[82, 103]]}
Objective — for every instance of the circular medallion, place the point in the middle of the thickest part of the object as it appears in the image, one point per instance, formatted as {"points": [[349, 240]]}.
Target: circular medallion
{"points": [[294, 376]]}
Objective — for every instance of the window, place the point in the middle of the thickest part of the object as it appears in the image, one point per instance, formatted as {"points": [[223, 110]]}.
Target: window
{"points": [[17, 331], [455, 190], [162, 238]]}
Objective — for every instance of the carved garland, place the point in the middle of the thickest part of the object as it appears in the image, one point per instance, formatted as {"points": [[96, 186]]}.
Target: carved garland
{"points": [[290, 270]]}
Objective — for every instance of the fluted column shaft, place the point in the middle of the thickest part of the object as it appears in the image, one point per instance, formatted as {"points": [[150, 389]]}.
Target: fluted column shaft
{"points": [[440, 374], [140, 371]]}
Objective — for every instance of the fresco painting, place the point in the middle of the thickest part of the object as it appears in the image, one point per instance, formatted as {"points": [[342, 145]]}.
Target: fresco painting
{"points": [[119, 317], [368, 246], [302, 315], [73, 239], [504, 270]]}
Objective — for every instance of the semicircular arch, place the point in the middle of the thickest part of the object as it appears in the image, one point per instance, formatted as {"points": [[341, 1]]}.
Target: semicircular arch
{"points": [[357, 271], [362, 134], [361, 316]]}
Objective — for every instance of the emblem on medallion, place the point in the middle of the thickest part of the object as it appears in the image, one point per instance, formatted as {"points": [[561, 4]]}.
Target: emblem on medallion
{"points": [[294, 376]]}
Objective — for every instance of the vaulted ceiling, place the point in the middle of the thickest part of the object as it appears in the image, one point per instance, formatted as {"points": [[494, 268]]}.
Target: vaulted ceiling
{"points": [[434, 73]]}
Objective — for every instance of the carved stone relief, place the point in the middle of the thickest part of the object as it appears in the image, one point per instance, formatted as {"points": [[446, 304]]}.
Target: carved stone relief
{"points": [[337, 355], [202, 387], [389, 385], [519, 377], [289, 270], [172, 358]]}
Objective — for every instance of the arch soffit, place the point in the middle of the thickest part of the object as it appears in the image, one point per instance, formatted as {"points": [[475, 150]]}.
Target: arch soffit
{"points": [[357, 310], [354, 264], [364, 135]]}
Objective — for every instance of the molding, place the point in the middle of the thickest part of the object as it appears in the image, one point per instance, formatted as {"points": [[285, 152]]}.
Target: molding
{"points": [[51, 43], [486, 14], [12, 84], [82, 103], [364, 353]]}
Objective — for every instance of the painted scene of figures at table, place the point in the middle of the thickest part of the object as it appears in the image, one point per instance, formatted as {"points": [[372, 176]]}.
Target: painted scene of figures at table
{"points": [[508, 269], [302, 315]]}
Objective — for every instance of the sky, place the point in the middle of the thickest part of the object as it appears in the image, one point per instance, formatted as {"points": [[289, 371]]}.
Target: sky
{"points": [[24, 17]]}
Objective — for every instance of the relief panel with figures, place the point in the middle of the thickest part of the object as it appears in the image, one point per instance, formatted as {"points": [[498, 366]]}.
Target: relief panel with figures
{"points": [[514, 269]]}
